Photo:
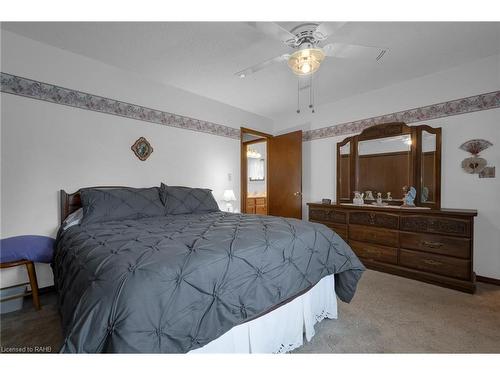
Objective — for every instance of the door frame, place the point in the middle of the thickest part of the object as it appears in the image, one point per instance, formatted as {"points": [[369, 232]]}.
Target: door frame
{"points": [[244, 164]]}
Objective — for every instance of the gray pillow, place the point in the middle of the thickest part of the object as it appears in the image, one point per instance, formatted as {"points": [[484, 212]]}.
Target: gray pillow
{"points": [[186, 200], [105, 204]]}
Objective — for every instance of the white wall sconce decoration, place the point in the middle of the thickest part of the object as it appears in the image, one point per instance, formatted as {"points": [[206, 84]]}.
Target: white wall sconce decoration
{"points": [[475, 164]]}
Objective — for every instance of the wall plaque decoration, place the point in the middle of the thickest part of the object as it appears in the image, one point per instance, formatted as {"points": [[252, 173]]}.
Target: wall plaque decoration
{"points": [[142, 148], [474, 164], [487, 172]]}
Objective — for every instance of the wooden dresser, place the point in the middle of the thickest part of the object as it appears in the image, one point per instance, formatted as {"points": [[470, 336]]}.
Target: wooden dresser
{"points": [[434, 246], [257, 205]]}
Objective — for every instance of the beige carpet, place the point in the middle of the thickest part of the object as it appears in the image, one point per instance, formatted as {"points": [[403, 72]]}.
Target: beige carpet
{"points": [[389, 314]]}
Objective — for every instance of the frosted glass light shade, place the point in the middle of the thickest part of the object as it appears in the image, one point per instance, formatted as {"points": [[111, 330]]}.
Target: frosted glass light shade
{"points": [[306, 61], [229, 196]]}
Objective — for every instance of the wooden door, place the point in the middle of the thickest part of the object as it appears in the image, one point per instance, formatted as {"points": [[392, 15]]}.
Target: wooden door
{"points": [[285, 175]]}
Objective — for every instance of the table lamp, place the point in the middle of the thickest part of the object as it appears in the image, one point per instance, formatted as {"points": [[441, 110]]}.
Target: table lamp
{"points": [[229, 197]]}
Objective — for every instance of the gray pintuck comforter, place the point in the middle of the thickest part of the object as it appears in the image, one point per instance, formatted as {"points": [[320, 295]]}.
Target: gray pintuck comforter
{"points": [[174, 283]]}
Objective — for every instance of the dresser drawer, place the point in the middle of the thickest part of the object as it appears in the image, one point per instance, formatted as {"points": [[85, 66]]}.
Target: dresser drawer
{"points": [[250, 202], [435, 224], [446, 266], [261, 209], [376, 219], [325, 214], [260, 201], [340, 229], [374, 235], [434, 243], [375, 252]]}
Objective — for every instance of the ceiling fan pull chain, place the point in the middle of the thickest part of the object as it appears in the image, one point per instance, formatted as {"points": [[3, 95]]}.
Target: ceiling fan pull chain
{"points": [[311, 91], [313, 108], [312, 96], [298, 96]]}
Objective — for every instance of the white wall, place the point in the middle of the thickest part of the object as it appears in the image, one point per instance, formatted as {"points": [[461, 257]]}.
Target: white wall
{"points": [[459, 189], [46, 147], [474, 78]]}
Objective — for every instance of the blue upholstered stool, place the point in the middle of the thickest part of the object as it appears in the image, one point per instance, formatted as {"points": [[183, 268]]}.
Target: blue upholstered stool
{"points": [[24, 250]]}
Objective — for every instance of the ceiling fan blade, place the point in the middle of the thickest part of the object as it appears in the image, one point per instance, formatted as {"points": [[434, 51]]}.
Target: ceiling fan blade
{"points": [[353, 51], [325, 29], [255, 68], [274, 30]]}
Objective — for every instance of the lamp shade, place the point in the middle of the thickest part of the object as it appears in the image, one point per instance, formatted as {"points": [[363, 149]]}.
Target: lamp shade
{"points": [[229, 196]]}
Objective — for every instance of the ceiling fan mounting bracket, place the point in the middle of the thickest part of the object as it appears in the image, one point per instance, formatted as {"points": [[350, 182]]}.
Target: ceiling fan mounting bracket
{"points": [[304, 34]]}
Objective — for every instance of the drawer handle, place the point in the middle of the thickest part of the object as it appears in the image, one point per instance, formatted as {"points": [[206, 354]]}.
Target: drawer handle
{"points": [[432, 262], [432, 244], [372, 218]]}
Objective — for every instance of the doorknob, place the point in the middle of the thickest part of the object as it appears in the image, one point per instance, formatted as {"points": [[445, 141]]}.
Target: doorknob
{"points": [[297, 194]]}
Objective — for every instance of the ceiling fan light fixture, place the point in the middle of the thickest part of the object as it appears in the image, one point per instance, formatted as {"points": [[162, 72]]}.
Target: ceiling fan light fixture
{"points": [[306, 61]]}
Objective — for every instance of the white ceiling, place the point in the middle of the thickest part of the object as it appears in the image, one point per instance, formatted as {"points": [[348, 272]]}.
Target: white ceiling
{"points": [[202, 57]]}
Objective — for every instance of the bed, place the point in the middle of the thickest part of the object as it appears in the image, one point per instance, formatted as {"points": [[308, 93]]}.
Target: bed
{"points": [[198, 282]]}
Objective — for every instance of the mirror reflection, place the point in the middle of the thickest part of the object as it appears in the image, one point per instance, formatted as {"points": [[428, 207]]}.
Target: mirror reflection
{"points": [[384, 167], [344, 175], [428, 160], [256, 169], [386, 162], [254, 174]]}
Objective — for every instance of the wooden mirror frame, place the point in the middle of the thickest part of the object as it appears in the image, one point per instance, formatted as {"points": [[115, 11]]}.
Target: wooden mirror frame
{"points": [[415, 176]]}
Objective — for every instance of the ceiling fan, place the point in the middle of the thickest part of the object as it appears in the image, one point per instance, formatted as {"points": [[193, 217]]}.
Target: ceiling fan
{"points": [[306, 39]]}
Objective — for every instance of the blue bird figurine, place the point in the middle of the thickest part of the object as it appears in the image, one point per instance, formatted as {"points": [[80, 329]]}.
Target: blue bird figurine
{"points": [[410, 197]]}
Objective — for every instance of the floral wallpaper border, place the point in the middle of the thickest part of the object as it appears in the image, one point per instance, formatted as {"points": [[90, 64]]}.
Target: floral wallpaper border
{"points": [[451, 108], [55, 94]]}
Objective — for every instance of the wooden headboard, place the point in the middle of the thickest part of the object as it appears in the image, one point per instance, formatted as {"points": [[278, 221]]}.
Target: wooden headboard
{"points": [[70, 202]]}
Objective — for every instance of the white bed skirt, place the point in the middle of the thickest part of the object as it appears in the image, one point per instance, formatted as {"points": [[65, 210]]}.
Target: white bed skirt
{"points": [[283, 329]]}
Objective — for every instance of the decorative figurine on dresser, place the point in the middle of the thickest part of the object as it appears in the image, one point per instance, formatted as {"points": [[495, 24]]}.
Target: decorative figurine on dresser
{"points": [[358, 198], [405, 233], [409, 196], [369, 195]]}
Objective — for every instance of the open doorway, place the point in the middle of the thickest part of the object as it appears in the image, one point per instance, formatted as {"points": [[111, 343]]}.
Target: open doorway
{"points": [[271, 173], [254, 171]]}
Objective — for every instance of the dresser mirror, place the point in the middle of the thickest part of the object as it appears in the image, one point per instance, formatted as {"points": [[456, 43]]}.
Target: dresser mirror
{"points": [[429, 169], [384, 165], [385, 160], [344, 168]]}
